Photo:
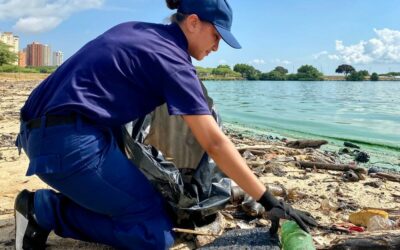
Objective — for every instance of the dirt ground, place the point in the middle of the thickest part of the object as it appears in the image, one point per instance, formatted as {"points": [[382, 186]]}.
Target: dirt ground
{"points": [[313, 188]]}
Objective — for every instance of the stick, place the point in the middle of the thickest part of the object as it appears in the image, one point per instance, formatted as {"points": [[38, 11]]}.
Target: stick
{"points": [[328, 166], [390, 177], [190, 231], [388, 240], [257, 147]]}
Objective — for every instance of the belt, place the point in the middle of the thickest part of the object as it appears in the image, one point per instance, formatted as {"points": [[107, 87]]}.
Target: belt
{"points": [[52, 120]]}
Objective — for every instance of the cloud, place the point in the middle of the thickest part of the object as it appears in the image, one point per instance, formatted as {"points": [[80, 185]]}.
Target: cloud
{"points": [[334, 57], [257, 62], [384, 48], [283, 62], [37, 24], [320, 54], [35, 16]]}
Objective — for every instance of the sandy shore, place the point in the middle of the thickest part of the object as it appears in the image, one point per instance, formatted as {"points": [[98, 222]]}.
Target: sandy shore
{"points": [[276, 164]]}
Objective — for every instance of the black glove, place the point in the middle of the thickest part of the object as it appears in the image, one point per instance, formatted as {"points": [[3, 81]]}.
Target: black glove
{"points": [[280, 210]]}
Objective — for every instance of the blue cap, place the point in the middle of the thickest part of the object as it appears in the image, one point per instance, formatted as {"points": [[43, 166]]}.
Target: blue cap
{"points": [[217, 12]]}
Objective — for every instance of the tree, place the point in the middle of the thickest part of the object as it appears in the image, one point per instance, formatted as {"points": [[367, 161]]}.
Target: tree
{"points": [[364, 72], [273, 76], [223, 66], [345, 68], [222, 70], [355, 76], [374, 77], [281, 70], [6, 56], [309, 73], [247, 71]]}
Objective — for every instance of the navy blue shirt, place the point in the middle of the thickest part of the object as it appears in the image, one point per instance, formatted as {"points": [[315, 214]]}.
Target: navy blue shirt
{"points": [[121, 75]]}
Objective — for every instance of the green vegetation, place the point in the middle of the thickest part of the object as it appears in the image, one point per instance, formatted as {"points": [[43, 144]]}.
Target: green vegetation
{"points": [[392, 74], [355, 76], [247, 71], [240, 72], [308, 73], [222, 72], [16, 69], [374, 77], [345, 68], [278, 74], [358, 75], [6, 56]]}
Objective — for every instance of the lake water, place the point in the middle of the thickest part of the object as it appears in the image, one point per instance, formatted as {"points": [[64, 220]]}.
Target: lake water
{"points": [[367, 113]]}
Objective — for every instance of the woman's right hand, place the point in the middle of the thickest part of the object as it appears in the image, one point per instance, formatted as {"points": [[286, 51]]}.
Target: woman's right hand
{"points": [[280, 210]]}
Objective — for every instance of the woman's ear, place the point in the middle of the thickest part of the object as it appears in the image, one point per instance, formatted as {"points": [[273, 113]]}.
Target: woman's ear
{"points": [[192, 23]]}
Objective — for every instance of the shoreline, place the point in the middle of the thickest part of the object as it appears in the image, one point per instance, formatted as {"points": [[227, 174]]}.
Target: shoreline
{"points": [[274, 163], [387, 158], [4, 76]]}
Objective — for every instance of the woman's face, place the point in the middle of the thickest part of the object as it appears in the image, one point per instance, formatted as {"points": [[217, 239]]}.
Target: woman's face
{"points": [[203, 38]]}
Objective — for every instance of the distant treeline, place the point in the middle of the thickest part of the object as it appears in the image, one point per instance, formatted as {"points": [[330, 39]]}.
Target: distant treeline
{"points": [[304, 73], [248, 72]]}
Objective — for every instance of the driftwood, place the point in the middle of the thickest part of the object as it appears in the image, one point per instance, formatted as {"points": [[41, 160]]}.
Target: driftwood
{"points": [[251, 148], [336, 167], [300, 144], [389, 177], [387, 241], [257, 152]]}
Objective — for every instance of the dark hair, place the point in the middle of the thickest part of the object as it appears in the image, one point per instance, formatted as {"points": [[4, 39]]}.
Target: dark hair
{"points": [[173, 4], [177, 17]]}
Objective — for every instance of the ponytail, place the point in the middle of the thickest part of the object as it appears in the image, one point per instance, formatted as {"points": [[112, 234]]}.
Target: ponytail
{"points": [[177, 17], [173, 4]]}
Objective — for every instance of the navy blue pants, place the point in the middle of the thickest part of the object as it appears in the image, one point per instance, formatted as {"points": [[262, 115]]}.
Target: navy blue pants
{"points": [[102, 197]]}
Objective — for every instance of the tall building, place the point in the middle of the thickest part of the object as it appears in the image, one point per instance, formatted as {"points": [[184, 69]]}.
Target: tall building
{"points": [[46, 55], [11, 40], [58, 58], [38, 54], [22, 58], [34, 54]]}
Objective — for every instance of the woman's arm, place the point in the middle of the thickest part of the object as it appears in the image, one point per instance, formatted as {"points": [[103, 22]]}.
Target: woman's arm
{"points": [[224, 153]]}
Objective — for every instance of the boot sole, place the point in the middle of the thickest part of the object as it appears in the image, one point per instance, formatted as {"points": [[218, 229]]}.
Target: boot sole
{"points": [[21, 223]]}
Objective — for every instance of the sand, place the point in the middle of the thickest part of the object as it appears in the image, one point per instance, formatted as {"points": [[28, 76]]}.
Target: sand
{"points": [[317, 185]]}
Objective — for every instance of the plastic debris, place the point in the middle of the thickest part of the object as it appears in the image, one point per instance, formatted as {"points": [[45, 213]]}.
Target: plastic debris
{"points": [[327, 206], [362, 217], [293, 237], [376, 223], [349, 227]]}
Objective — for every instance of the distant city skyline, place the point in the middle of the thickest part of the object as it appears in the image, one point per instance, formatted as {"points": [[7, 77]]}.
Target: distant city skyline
{"points": [[291, 33], [34, 54]]}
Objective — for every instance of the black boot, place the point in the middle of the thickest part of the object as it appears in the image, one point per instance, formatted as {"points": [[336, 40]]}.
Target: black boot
{"points": [[28, 234]]}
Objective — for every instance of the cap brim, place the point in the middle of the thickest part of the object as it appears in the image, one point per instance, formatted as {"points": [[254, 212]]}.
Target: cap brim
{"points": [[228, 37]]}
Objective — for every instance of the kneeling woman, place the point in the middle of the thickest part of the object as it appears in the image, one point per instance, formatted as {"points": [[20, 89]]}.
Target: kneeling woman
{"points": [[68, 132]]}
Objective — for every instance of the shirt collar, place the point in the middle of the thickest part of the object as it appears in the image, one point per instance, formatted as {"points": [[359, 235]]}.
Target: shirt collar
{"points": [[180, 36]]}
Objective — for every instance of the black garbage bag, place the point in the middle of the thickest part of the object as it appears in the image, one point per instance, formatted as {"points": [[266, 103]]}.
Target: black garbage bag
{"points": [[195, 189]]}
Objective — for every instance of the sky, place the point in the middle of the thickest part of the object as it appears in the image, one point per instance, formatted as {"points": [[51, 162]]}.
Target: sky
{"points": [[288, 33]]}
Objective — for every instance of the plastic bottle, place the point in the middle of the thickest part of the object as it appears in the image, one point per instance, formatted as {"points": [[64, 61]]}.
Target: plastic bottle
{"points": [[379, 223], [294, 238]]}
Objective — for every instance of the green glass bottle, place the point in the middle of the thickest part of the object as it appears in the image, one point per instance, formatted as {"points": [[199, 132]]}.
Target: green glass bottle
{"points": [[294, 238]]}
